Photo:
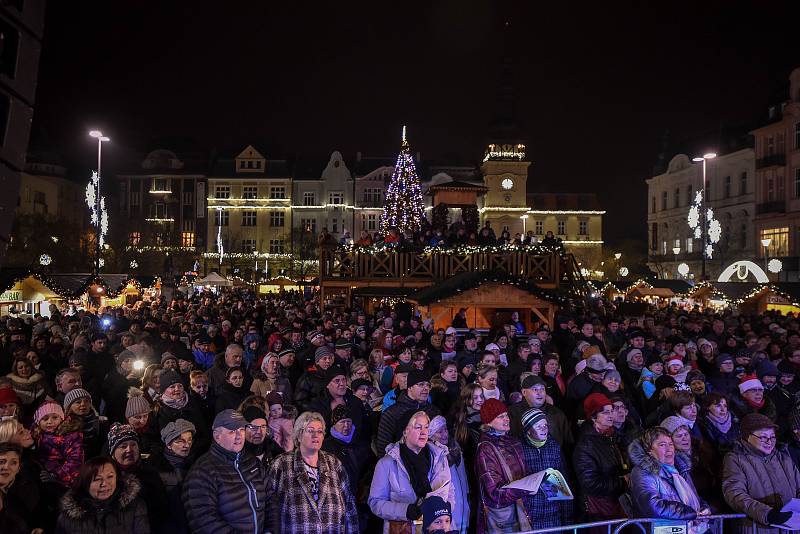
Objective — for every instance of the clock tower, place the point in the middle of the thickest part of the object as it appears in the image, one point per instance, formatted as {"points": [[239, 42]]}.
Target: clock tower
{"points": [[505, 174]]}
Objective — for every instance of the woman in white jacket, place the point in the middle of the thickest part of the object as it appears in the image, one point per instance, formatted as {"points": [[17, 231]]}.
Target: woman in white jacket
{"points": [[413, 468]]}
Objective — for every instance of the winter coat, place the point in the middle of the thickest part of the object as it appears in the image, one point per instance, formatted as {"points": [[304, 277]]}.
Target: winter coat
{"points": [[115, 394], [125, 513], [230, 397], [391, 491], [492, 476], [356, 457], [204, 360], [600, 468], [282, 433], [391, 419], [652, 488], [193, 411], [61, 455], [224, 493], [172, 470], [739, 406], [30, 390], [560, 427], [322, 405], [310, 385], [543, 513], [292, 508], [460, 509], [721, 442], [753, 484], [262, 387]]}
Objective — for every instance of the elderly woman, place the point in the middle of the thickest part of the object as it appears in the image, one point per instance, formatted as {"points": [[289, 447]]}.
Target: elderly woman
{"points": [[29, 384], [661, 483], [103, 499], [759, 477], [309, 475], [542, 452], [271, 378], [499, 461], [412, 469]]}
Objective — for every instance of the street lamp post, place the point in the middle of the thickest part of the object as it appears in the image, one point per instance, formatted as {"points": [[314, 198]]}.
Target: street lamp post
{"points": [[97, 134], [765, 243], [703, 213], [617, 256], [524, 220]]}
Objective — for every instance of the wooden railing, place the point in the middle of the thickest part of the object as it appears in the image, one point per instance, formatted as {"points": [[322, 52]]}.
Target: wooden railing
{"points": [[547, 267]]}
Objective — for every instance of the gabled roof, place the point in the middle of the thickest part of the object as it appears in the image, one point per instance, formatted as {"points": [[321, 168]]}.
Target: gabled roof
{"points": [[226, 168], [472, 279]]}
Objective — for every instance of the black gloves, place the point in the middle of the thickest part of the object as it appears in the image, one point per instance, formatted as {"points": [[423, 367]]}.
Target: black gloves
{"points": [[414, 512], [776, 517]]}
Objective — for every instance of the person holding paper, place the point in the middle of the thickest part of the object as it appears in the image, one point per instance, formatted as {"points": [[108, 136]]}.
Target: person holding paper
{"points": [[661, 481], [759, 478], [542, 452]]}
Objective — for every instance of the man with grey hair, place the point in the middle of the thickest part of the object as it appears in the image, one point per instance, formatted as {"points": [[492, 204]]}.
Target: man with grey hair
{"points": [[225, 489], [232, 357]]}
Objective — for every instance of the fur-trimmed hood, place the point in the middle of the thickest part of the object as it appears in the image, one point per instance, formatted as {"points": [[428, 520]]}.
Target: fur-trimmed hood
{"points": [[74, 508], [639, 457]]}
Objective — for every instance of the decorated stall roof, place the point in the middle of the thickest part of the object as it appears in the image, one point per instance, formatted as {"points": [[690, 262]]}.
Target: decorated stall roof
{"points": [[65, 285]]}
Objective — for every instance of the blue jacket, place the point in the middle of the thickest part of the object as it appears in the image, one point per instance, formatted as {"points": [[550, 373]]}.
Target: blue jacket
{"points": [[204, 359], [652, 490]]}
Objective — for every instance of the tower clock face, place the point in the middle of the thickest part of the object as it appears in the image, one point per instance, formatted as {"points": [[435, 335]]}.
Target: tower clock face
{"points": [[507, 183]]}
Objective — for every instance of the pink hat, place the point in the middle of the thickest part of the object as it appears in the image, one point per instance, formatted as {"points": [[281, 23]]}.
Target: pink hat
{"points": [[47, 408]]}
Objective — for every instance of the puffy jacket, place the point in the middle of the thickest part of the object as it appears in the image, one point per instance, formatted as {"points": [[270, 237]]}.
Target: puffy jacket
{"points": [[753, 484], [124, 514], [391, 418], [599, 467], [224, 493], [310, 385], [652, 490], [61, 455], [391, 491]]}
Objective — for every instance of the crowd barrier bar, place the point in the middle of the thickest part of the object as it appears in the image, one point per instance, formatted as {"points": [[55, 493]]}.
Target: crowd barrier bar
{"points": [[618, 524]]}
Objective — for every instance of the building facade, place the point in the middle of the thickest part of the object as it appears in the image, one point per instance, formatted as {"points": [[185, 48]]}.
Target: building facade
{"points": [[323, 198], [777, 187], [249, 209], [45, 190], [730, 193], [505, 174]]}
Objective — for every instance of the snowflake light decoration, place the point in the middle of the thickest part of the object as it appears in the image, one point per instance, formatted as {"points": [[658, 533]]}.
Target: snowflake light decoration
{"points": [[694, 217], [623, 271], [709, 251], [714, 231], [698, 233], [98, 215], [44, 259], [102, 262], [683, 269], [774, 265], [134, 264], [714, 228]]}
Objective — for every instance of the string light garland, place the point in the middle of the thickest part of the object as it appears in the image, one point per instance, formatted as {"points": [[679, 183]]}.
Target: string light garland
{"points": [[458, 250], [8, 280], [404, 208]]}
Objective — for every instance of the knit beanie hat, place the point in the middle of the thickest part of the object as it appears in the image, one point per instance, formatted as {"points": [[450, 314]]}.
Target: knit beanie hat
{"points": [[125, 355], [168, 356], [767, 368], [137, 405], [436, 424], [47, 408], [594, 403], [120, 433], [672, 423], [722, 358], [749, 382], [73, 395], [632, 353], [173, 430], [8, 395], [274, 397], [251, 413], [596, 363], [531, 417], [417, 376], [332, 372], [339, 413], [491, 409], [589, 351], [167, 378], [433, 508], [321, 352], [755, 421]]}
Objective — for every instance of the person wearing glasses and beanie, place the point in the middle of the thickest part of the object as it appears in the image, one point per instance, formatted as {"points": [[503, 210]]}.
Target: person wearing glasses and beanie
{"points": [[759, 477], [308, 490]]}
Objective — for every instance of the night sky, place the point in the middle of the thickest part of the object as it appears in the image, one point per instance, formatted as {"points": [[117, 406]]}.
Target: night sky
{"points": [[595, 87]]}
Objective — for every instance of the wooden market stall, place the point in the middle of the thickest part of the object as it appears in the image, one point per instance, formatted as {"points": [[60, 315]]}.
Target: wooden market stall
{"points": [[31, 292]]}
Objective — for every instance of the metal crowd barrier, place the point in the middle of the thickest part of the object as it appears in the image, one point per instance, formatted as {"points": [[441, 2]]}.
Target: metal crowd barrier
{"points": [[660, 526]]}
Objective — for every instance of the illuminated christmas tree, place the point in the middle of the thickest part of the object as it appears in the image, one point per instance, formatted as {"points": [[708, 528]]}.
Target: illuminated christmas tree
{"points": [[403, 209]]}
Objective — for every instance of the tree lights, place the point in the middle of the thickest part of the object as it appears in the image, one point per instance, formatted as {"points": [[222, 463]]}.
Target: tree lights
{"points": [[404, 208]]}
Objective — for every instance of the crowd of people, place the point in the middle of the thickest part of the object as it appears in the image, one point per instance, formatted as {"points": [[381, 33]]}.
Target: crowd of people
{"points": [[241, 413]]}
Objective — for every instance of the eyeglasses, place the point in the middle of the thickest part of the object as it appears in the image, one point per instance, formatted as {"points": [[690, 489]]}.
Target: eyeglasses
{"points": [[766, 439], [253, 428], [312, 432]]}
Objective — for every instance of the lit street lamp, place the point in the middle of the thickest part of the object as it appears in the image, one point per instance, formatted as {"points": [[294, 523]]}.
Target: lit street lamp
{"points": [[766, 243], [524, 220], [703, 212], [99, 207]]}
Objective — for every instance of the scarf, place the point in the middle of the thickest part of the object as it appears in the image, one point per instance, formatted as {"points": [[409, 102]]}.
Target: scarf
{"points": [[723, 425], [255, 450], [687, 422], [491, 393], [178, 462], [562, 387], [685, 490], [756, 405], [176, 404], [538, 443], [346, 438], [418, 466]]}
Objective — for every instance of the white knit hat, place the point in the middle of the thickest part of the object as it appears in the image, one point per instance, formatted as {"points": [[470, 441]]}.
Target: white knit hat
{"points": [[751, 383]]}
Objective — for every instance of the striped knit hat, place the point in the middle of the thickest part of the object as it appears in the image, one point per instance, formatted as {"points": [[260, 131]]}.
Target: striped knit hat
{"points": [[47, 408], [73, 395]]}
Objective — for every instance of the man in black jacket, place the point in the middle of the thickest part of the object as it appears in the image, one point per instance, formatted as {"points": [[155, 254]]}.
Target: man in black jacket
{"points": [[225, 489], [414, 399]]}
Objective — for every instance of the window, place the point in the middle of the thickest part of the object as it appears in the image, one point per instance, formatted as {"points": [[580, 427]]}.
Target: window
{"points": [[135, 239], [187, 239], [689, 245], [779, 244], [309, 225], [743, 236], [241, 164], [373, 197], [689, 195], [770, 188], [160, 185], [188, 225], [222, 218], [652, 205], [727, 188], [250, 191], [39, 198], [664, 248], [797, 183], [136, 199], [583, 227], [222, 191], [309, 198], [188, 198], [797, 135], [248, 245], [248, 218], [335, 197], [258, 164], [538, 227], [743, 183], [277, 192], [677, 200], [334, 226], [158, 211], [562, 225], [663, 201], [276, 246], [276, 219], [654, 234], [372, 222]]}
